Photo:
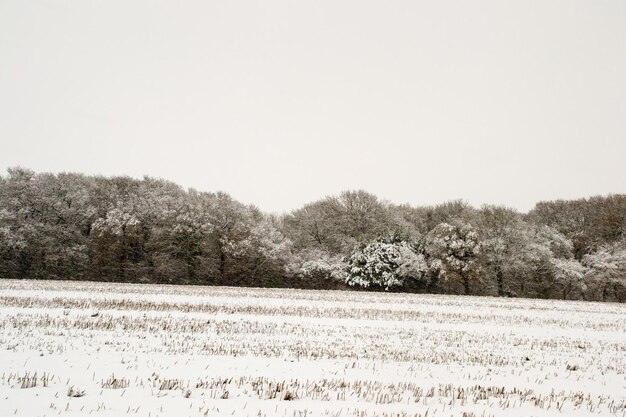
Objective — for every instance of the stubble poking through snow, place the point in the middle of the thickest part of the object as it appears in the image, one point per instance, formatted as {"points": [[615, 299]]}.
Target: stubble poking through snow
{"points": [[78, 349]]}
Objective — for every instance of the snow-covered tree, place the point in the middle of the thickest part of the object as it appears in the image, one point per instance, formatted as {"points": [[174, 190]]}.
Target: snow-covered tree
{"points": [[568, 274], [386, 263], [515, 253], [606, 272], [457, 247], [607, 258], [589, 223], [502, 237], [319, 264], [115, 222], [543, 265], [42, 222], [337, 223], [179, 242]]}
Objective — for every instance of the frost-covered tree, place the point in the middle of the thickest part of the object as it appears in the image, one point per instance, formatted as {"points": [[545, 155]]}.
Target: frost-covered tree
{"points": [[514, 252], [606, 272], [116, 242], [386, 263], [554, 271], [179, 244], [589, 222], [502, 238], [44, 219], [115, 222], [311, 227], [12, 243], [319, 265], [338, 223], [268, 240], [540, 263], [569, 273], [457, 247], [264, 250]]}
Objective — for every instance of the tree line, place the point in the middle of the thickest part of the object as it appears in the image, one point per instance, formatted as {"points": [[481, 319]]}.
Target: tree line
{"points": [[73, 226]]}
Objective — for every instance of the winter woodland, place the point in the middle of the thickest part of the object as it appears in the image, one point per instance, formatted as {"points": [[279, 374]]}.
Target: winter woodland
{"points": [[75, 227]]}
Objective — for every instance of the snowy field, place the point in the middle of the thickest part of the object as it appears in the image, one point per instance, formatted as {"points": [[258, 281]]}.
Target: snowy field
{"points": [[93, 349]]}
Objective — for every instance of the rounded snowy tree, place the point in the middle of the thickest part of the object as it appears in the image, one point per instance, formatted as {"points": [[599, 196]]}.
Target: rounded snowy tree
{"points": [[457, 247], [385, 263]]}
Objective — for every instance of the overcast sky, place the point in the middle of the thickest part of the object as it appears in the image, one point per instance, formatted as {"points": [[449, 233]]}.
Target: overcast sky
{"points": [[283, 102]]}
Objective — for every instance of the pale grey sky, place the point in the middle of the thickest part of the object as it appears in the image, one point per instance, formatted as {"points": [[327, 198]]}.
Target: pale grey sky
{"points": [[283, 102]]}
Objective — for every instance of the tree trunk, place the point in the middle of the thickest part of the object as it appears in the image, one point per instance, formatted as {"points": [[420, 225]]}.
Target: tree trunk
{"points": [[222, 266], [466, 283], [500, 281], [432, 285]]}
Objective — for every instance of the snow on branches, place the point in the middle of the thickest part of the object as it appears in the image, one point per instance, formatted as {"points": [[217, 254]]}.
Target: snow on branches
{"points": [[457, 246], [115, 222], [386, 264]]}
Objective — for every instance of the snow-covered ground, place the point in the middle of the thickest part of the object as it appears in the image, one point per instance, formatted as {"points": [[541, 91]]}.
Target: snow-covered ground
{"points": [[78, 349]]}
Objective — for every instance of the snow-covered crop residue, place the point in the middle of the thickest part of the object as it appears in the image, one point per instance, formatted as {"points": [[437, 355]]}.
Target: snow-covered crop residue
{"points": [[79, 349]]}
